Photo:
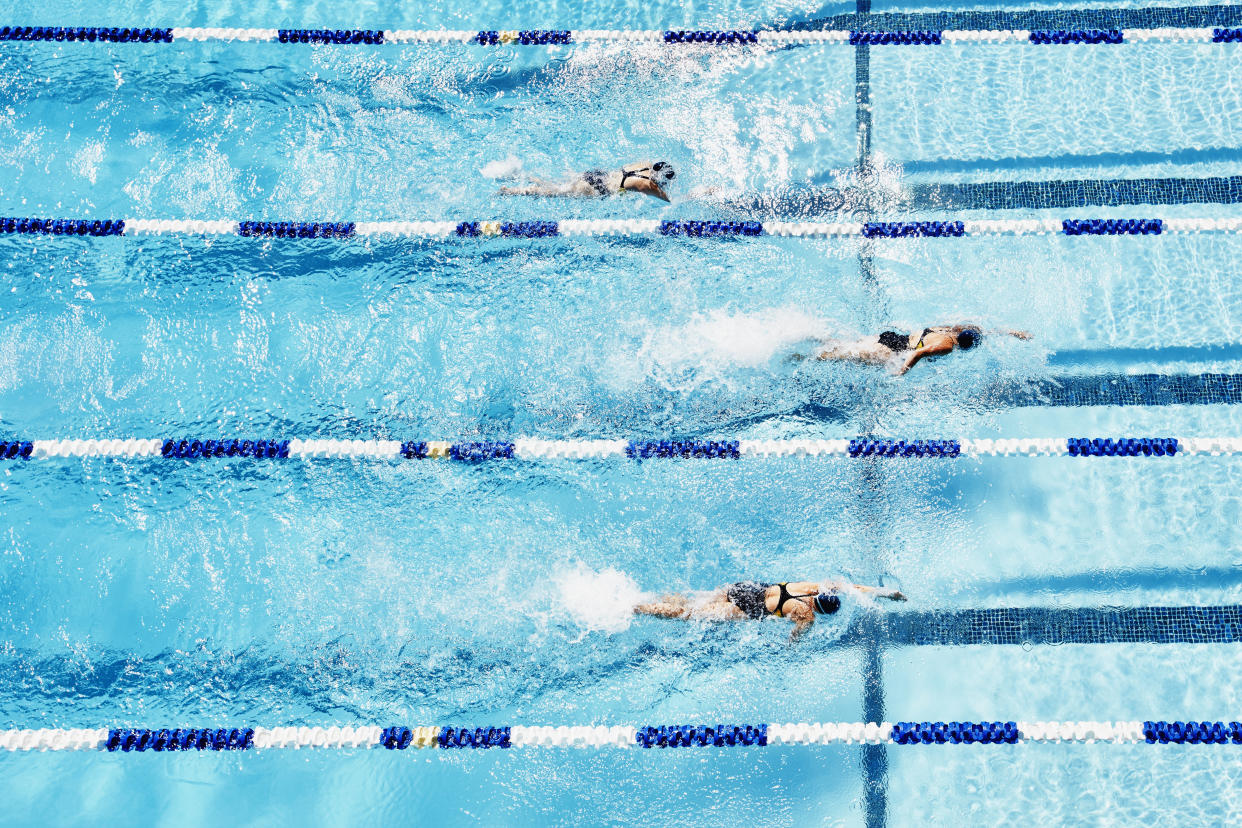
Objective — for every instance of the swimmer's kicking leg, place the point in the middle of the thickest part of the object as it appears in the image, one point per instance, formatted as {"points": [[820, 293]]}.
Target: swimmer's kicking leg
{"points": [[669, 606], [535, 187], [714, 607], [540, 187]]}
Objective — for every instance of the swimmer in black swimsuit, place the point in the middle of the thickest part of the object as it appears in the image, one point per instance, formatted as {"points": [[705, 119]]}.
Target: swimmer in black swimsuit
{"points": [[798, 601], [900, 351], [641, 177]]}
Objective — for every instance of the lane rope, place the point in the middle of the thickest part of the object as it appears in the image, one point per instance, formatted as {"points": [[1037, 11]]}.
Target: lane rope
{"points": [[530, 448], [142, 740], [690, 228], [672, 37]]}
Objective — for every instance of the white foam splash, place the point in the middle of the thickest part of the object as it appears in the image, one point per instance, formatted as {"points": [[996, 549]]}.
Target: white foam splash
{"points": [[87, 160], [719, 338], [602, 600], [498, 170]]}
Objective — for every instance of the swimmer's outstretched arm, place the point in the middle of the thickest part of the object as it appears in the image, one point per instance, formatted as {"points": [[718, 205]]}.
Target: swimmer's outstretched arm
{"points": [[878, 592], [998, 331]]}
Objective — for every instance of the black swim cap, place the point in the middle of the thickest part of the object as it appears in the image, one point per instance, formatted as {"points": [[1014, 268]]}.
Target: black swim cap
{"points": [[968, 338], [827, 603]]}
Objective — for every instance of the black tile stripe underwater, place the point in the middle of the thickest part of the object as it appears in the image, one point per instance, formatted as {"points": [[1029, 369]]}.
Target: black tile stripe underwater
{"points": [[1048, 625], [1144, 18]]}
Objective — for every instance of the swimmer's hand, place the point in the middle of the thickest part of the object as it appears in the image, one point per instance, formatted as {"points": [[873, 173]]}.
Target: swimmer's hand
{"points": [[799, 630], [899, 369], [1023, 335]]}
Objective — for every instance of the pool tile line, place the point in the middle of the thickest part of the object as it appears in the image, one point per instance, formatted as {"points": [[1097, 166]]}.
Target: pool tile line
{"points": [[1030, 626], [1152, 17], [1120, 389], [1035, 195]]}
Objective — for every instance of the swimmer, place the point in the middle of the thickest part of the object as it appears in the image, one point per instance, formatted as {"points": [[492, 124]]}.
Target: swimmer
{"points": [[639, 177], [900, 351], [799, 601]]}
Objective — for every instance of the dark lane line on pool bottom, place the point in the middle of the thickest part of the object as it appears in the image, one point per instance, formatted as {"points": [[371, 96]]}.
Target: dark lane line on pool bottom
{"points": [[824, 201], [1120, 389], [1156, 17], [1050, 625]]}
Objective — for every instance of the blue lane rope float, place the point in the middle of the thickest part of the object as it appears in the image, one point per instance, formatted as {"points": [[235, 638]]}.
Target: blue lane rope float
{"points": [[476, 452], [647, 737], [477, 737], [670, 37], [543, 228], [63, 227], [296, 229], [904, 448], [528, 229], [1125, 447], [643, 449], [917, 38], [717, 38], [1112, 227], [955, 733], [669, 736], [195, 449], [525, 37], [1193, 733], [336, 36], [907, 229], [57, 34], [16, 449], [537, 449], [1060, 37], [711, 228], [143, 739]]}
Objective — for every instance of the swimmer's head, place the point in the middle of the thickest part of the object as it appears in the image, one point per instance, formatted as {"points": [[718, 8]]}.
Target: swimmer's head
{"points": [[827, 603], [650, 177], [968, 338]]}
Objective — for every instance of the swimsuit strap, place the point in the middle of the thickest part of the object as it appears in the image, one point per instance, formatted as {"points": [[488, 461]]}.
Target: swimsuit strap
{"points": [[925, 332], [635, 174], [786, 596]]}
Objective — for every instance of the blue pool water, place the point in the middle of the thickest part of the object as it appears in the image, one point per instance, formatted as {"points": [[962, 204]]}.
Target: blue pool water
{"points": [[156, 592]]}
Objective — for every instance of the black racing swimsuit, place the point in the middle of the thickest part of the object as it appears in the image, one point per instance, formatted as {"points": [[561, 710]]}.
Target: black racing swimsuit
{"points": [[598, 179], [751, 598], [898, 341]]}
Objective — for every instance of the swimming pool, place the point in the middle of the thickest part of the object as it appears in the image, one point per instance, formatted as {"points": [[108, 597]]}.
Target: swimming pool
{"points": [[164, 592]]}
